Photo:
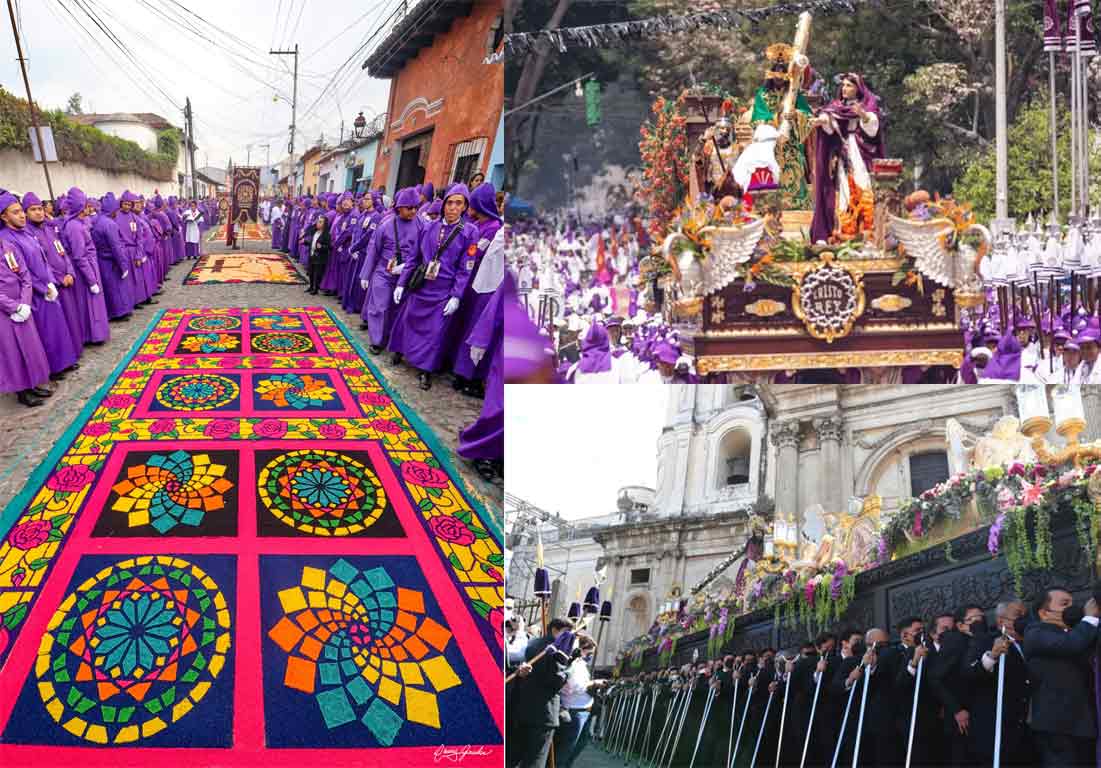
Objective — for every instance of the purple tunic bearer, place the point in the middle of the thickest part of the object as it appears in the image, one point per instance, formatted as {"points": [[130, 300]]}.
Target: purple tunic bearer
{"points": [[483, 200], [61, 268], [421, 329], [379, 310], [114, 261], [368, 222], [176, 241], [485, 438], [82, 252], [130, 235], [23, 361]]}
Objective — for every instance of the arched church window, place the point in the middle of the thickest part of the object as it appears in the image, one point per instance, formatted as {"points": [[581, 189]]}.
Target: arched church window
{"points": [[735, 450], [926, 470]]}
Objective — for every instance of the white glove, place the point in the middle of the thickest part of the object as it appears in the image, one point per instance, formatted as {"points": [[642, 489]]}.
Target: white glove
{"points": [[450, 307], [398, 293], [354, 255], [94, 289], [125, 274], [363, 284], [476, 354], [22, 312], [51, 292]]}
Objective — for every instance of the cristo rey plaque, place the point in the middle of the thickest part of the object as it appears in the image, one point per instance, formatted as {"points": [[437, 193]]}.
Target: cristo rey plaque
{"points": [[828, 299]]}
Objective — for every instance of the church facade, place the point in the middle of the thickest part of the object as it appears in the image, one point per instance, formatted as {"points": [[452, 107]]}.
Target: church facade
{"points": [[725, 451]]}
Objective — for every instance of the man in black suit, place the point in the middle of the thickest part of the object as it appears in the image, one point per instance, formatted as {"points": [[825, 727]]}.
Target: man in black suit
{"points": [[535, 700], [927, 739], [1058, 653], [950, 649], [852, 652], [878, 743], [980, 674]]}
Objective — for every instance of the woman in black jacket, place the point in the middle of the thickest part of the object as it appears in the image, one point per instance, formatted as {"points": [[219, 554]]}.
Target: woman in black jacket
{"points": [[319, 243]]}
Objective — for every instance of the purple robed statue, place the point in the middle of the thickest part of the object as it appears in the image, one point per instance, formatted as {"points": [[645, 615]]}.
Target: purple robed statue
{"points": [[849, 137]]}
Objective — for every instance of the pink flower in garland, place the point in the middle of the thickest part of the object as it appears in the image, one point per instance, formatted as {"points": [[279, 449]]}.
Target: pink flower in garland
{"points": [[1017, 469], [1006, 499], [917, 522], [882, 551], [840, 571], [1030, 493], [1068, 478], [808, 591]]}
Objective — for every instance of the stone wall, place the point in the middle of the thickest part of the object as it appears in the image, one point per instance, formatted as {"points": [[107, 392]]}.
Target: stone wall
{"points": [[19, 173]]}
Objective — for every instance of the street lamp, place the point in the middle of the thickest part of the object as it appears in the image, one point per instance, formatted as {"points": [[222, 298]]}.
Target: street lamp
{"points": [[360, 125]]}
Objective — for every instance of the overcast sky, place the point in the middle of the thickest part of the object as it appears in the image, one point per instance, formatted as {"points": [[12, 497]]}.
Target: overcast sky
{"points": [[231, 94], [568, 449]]}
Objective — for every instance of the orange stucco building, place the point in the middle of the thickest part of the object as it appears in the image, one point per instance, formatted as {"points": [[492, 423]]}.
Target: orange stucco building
{"points": [[445, 103]]}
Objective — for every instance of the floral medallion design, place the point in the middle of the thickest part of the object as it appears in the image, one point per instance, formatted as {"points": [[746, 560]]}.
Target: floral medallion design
{"points": [[282, 343], [364, 649], [293, 390], [206, 343], [214, 323], [197, 392], [171, 489], [277, 323], [133, 650], [321, 492]]}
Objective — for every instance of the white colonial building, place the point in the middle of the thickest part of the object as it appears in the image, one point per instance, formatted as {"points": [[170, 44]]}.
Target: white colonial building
{"points": [[725, 450]]}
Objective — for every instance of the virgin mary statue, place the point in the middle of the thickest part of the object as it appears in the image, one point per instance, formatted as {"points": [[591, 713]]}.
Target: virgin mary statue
{"points": [[850, 137]]}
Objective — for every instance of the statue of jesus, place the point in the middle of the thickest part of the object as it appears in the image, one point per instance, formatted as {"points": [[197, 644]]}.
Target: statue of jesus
{"points": [[849, 137]]}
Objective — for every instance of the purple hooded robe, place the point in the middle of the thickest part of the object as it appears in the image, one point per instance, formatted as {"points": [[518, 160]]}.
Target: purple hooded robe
{"points": [[23, 362], [379, 310], [77, 238], [114, 261], [485, 438], [483, 200]]}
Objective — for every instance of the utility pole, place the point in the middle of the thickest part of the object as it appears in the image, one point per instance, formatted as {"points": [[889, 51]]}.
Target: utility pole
{"points": [[294, 94], [30, 100], [191, 147], [248, 155]]}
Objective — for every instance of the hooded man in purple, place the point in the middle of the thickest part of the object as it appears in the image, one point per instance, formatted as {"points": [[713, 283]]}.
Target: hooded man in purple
{"points": [[46, 312], [349, 268], [114, 261], [277, 231], [483, 442], [147, 238], [130, 235], [163, 232], [483, 209], [367, 224], [341, 208], [61, 267], [446, 249], [177, 238], [395, 241], [315, 208], [24, 368], [77, 237]]}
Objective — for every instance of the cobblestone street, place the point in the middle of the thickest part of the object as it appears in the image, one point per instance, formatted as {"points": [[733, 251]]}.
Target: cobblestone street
{"points": [[28, 434]]}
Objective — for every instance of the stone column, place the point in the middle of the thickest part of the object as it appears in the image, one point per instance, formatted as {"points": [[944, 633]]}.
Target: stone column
{"points": [[832, 494], [785, 436]]}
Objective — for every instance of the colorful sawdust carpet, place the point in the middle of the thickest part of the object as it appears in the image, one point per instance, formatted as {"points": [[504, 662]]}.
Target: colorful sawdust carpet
{"points": [[250, 231], [246, 543], [243, 268]]}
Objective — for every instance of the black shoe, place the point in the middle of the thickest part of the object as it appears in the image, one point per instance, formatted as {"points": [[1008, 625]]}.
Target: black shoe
{"points": [[72, 367], [396, 359], [123, 319], [152, 301], [458, 383], [475, 389], [374, 349], [488, 469], [425, 379], [363, 326], [26, 398], [41, 392], [59, 376], [97, 343]]}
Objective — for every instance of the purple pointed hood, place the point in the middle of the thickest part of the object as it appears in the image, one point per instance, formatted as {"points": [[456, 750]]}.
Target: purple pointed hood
{"points": [[596, 355], [77, 200], [407, 198], [484, 200], [110, 203], [30, 199]]}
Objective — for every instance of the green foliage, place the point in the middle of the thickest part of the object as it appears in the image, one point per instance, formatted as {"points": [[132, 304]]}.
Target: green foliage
{"points": [[1030, 178], [85, 144]]}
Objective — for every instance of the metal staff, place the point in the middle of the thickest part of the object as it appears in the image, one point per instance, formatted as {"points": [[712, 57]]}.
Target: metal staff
{"points": [[629, 734], [703, 724], [914, 710], [810, 723], [783, 715], [654, 689], [621, 722], [844, 723], [863, 707], [680, 726], [998, 713], [664, 728], [631, 742], [611, 720], [752, 688], [761, 733], [733, 710]]}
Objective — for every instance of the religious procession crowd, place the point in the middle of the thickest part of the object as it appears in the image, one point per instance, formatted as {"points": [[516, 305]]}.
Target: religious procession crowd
{"points": [[926, 697], [74, 265], [584, 285], [424, 271], [1059, 351]]}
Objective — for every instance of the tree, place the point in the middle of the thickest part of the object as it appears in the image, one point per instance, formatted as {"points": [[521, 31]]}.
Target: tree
{"points": [[73, 107], [1030, 185]]}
